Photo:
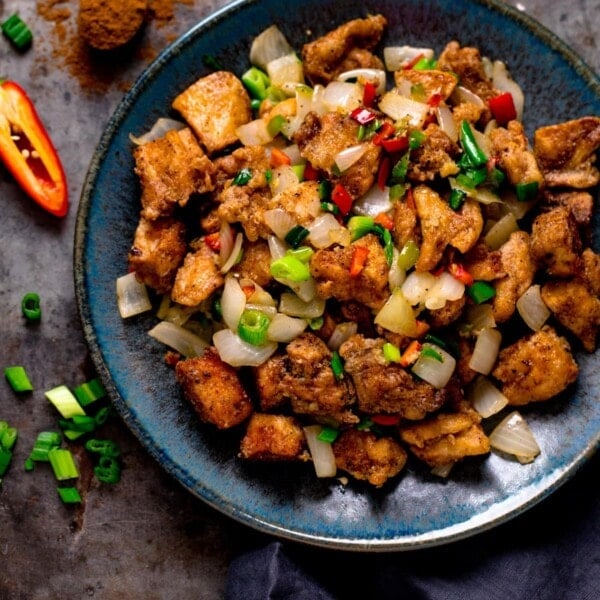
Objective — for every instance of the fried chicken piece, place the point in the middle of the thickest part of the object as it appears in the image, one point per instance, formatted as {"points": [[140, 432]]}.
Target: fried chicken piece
{"points": [[579, 203], [255, 263], [576, 308], [157, 252], [441, 226], [566, 152], [406, 227], [435, 84], [330, 268], [197, 278], [446, 438], [171, 169], [536, 367], [214, 390], [434, 157], [483, 263], [322, 137], [520, 269], [556, 243], [272, 438], [367, 457], [214, 107], [449, 313], [384, 388], [345, 48], [591, 270]]}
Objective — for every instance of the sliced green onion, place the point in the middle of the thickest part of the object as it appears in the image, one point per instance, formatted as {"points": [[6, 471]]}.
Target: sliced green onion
{"points": [[8, 438], [275, 124], [102, 415], [242, 177], [29, 464], [5, 460], [62, 463], [73, 435], [69, 495], [257, 82], [89, 392], [107, 470], [425, 64], [429, 352], [64, 401], [81, 423], [103, 447], [290, 268], [17, 31], [45, 441], [391, 352], [415, 139], [409, 255], [253, 326], [337, 366], [325, 191], [481, 291], [433, 339], [456, 199], [359, 226], [475, 154], [302, 253], [526, 191], [18, 379], [328, 434], [296, 235], [30, 306]]}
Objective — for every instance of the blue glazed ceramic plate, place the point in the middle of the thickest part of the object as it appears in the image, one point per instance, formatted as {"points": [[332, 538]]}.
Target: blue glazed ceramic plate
{"points": [[416, 509]]}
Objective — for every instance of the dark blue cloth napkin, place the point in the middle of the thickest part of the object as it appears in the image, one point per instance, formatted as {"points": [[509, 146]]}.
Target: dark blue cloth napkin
{"points": [[550, 552]]}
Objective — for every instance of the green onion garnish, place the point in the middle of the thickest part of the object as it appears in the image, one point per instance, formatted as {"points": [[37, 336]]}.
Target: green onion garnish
{"points": [[257, 82], [409, 255], [296, 235], [391, 352], [107, 470], [475, 154], [302, 253], [456, 199], [64, 401], [275, 124], [481, 291], [69, 495], [62, 463], [290, 268], [253, 326], [17, 31], [328, 434], [45, 441], [337, 365], [242, 177], [5, 460], [526, 191], [431, 353], [102, 415], [8, 437], [89, 392], [30, 306], [103, 447], [18, 379], [415, 139]]}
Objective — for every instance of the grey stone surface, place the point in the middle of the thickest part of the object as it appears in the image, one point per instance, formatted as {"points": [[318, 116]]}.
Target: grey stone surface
{"points": [[146, 537]]}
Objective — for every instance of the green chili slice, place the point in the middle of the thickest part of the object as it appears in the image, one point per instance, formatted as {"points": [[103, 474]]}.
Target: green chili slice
{"points": [[481, 291]]}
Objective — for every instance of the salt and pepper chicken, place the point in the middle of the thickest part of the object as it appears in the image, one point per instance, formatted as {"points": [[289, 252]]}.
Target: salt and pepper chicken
{"points": [[202, 180]]}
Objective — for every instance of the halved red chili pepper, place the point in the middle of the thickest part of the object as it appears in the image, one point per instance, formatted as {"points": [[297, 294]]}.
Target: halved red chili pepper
{"points": [[503, 108], [342, 198], [28, 153], [397, 144]]}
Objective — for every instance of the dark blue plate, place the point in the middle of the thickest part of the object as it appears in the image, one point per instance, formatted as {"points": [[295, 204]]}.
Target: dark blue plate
{"points": [[416, 509]]}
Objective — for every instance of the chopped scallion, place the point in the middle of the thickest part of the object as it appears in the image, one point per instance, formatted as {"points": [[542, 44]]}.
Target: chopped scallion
{"points": [[18, 379], [62, 463], [242, 177], [30, 307], [64, 401], [89, 392], [107, 470], [481, 291], [5, 460], [391, 352], [253, 326], [102, 447], [328, 434], [291, 268], [45, 441], [337, 366], [17, 31], [69, 495], [296, 235], [526, 191]]}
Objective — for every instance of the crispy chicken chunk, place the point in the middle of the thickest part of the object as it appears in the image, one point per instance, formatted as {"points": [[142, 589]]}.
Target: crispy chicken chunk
{"points": [[197, 278], [576, 308], [483, 263], [331, 269], [255, 263], [157, 252], [214, 107], [536, 367], [520, 269], [434, 157], [555, 242], [566, 152], [367, 457], [511, 147], [272, 437], [446, 438], [384, 388], [320, 139], [441, 226], [591, 270], [345, 48], [171, 169], [579, 203], [214, 390], [434, 84], [406, 227]]}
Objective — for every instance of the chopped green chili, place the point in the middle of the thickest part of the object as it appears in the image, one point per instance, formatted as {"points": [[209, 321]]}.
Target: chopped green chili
{"points": [[526, 191], [242, 177], [62, 463], [328, 434], [253, 326], [275, 124], [30, 306], [457, 198], [17, 31], [481, 291], [391, 352], [291, 268], [296, 235], [415, 139], [409, 254], [337, 365], [88, 392], [257, 83], [18, 379], [475, 154], [69, 495], [360, 225]]}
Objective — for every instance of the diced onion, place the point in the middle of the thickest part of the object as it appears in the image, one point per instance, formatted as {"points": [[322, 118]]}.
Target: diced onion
{"points": [[442, 470], [446, 122], [254, 133], [269, 45], [292, 305], [348, 156], [280, 221], [341, 333], [374, 202], [486, 398], [399, 107], [341, 95], [462, 94], [282, 178], [376, 76], [396, 57], [397, 315], [479, 317], [480, 193], [226, 242], [277, 247], [305, 290], [233, 302], [486, 350], [180, 339], [157, 131], [132, 296], [285, 70], [431, 370], [320, 451], [323, 229], [513, 436], [532, 308], [416, 287], [284, 328], [445, 288], [500, 232], [237, 353], [505, 83], [174, 313], [396, 275], [234, 254]]}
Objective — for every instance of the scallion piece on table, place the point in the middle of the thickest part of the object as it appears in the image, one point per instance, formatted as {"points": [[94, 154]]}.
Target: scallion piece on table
{"points": [[64, 401], [102, 415], [5, 460], [88, 392], [108, 470], [481, 291], [253, 326], [45, 441], [63, 464], [30, 307], [103, 447], [17, 31], [69, 495], [18, 379], [8, 438], [82, 423]]}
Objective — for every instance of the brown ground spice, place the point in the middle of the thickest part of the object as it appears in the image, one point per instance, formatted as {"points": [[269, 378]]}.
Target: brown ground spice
{"points": [[95, 70]]}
